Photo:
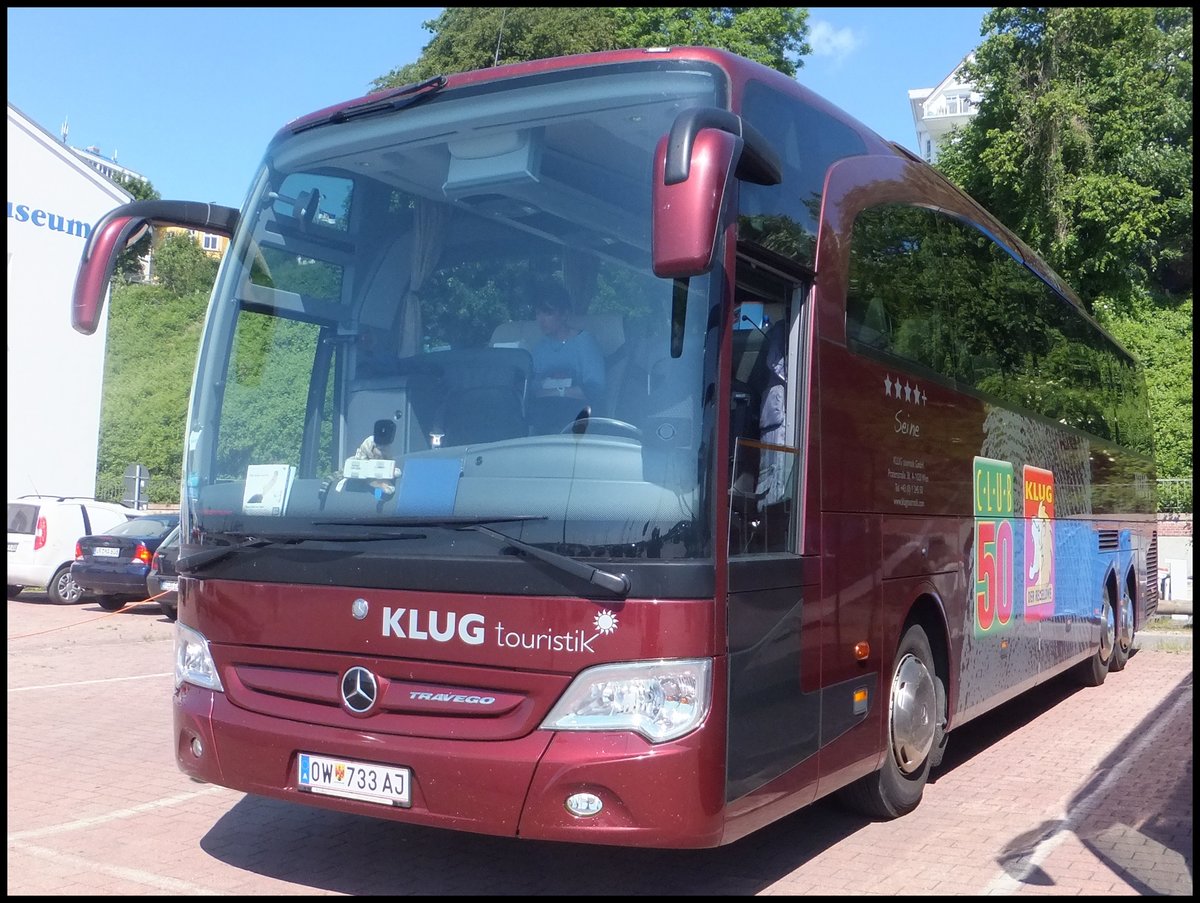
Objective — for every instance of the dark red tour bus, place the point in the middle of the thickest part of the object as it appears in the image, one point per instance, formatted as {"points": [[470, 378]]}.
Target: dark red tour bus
{"points": [[630, 448]]}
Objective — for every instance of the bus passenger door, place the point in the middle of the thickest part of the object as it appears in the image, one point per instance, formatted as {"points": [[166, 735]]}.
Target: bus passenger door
{"points": [[773, 724]]}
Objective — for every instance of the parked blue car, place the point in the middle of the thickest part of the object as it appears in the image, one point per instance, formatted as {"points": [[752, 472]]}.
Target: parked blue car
{"points": [[113, 566]]}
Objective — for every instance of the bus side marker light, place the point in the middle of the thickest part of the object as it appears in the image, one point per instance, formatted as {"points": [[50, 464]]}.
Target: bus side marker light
{"points": [[584, 805], [860, 701], [861, 651]]}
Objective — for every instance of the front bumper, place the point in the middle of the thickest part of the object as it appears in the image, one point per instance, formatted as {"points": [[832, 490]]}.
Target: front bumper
{"points": [[669, 795]]}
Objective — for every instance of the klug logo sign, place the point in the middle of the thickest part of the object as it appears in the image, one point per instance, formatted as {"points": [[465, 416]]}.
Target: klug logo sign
{"points": [[472, 628]]}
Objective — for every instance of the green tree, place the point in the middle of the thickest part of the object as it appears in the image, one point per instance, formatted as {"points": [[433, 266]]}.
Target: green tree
{"points": [[771, 35], [1083, 146], [181, 266], [1083, 143], [129, 264], [153, 338], [468, 38]]}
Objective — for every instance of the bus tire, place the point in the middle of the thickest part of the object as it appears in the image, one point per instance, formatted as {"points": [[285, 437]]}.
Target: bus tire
{"points": [[1094, 669], [912, 733], [1123, 641], [943, 713]]}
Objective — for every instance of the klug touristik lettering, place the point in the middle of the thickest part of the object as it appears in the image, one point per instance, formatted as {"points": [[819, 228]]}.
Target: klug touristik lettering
{"points": [[473, 629]]}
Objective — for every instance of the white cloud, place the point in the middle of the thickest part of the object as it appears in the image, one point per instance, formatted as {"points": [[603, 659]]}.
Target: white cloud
{"points": [[837, 43]]}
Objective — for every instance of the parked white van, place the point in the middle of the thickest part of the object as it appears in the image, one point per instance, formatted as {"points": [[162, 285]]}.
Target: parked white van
{"points": [[42, 532]]}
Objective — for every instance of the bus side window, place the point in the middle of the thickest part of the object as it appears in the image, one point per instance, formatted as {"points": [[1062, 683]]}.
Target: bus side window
{"points": [[868, 322]]}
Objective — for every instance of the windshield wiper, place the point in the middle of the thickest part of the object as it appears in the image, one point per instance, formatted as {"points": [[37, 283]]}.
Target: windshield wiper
{"points": [[618, 584], [397, 99], [418, 521], [204, 557]]}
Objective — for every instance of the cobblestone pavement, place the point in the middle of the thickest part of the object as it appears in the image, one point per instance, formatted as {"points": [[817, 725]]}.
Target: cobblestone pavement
{"points": [[1062, 792]]}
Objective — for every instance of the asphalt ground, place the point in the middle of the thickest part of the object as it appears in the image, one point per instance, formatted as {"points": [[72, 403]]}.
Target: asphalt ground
{"points": [[1064, 792]]}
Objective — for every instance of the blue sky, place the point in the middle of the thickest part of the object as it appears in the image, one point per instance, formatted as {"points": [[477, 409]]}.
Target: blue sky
{"points": [[190, 97]]}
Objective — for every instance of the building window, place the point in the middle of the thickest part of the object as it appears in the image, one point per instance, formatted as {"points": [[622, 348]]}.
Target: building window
{"points": [[958, 104], [211, 242]]}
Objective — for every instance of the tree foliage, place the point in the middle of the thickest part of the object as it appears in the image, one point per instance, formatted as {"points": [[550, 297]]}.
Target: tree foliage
{"points": [[181, 266], [129, 264], [466, 38], [1083, 146], [1083, 143], [153, 338]]}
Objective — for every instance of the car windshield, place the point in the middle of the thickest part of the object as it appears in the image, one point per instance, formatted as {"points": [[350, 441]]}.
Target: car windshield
{"points": [[147, 527], [170, 540], [448, 311]]}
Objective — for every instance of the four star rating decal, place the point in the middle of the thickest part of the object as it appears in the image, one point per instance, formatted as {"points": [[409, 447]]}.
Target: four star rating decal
{"points": [[907, 392]]}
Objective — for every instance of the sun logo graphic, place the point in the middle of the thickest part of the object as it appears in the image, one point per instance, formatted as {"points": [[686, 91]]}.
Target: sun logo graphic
{"points": [[606, 622]]}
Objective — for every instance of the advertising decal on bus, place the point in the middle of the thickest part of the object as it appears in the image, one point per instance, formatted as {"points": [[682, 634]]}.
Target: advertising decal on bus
{"points": [[1039, 543]]}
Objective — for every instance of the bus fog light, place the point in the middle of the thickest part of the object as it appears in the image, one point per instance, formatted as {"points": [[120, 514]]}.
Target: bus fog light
{"points": [[197, 747], [584, 804]]}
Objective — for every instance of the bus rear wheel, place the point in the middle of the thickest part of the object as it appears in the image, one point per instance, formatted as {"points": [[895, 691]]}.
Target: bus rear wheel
{"points": [[1091, 673], [914, 730], [1123, 640]]}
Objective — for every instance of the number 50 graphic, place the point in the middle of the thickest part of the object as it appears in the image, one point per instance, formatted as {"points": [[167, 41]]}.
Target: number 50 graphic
{"points": [[993, 492]]}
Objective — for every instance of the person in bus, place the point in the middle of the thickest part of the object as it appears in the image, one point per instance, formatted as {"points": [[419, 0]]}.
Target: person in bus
{"points": [[568, 363]]}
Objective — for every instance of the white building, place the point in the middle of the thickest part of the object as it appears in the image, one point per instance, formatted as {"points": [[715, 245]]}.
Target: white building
{"points": [[937, 110], [54, 373]]}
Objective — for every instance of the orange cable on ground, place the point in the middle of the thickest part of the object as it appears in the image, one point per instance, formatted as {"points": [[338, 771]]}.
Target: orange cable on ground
{"points": [[109, 614]]}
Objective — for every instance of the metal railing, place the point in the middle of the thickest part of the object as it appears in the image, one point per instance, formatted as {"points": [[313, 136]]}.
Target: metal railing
{"points": [[1175, 495]]}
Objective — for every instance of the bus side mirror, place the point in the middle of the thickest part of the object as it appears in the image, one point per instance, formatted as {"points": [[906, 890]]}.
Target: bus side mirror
{"points": [[693, 166], [108, 239], [120, 228]]}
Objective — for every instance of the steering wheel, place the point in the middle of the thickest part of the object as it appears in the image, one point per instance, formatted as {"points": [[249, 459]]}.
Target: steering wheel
{"points": [[609, 425]]}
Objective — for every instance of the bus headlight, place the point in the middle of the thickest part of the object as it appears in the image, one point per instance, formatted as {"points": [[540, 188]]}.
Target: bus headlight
{"points": [[659, 700], [193, 662]]}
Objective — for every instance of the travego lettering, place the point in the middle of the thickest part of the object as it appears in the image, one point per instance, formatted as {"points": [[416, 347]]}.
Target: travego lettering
{"points": [[452, 697]]}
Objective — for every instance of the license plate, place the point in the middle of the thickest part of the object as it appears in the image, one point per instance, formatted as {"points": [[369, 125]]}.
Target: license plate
{"points": [[387, 784], [105, 552], [170, 586]]}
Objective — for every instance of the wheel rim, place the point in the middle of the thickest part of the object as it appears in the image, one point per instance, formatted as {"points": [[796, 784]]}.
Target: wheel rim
{"points": [[913, 715], [68, 589], [1126, 622], [1108, 635]]}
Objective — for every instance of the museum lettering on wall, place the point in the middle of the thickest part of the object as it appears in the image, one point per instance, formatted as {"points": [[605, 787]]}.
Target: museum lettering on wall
{"points": [[55, 222]]}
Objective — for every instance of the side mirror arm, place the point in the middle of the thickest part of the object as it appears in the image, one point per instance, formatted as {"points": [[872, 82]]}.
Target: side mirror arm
{"points": [[758, 162]]}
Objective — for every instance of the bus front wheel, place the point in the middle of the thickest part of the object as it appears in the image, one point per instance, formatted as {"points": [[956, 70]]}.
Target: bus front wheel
{"points": [[913, 731]]}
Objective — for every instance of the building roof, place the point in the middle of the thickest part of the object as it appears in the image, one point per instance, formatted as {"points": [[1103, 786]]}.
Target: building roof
{"points": [[68, 156]]}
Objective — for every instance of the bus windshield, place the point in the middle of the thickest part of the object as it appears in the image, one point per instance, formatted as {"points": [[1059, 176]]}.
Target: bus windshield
{"points": [[443, 311]]}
